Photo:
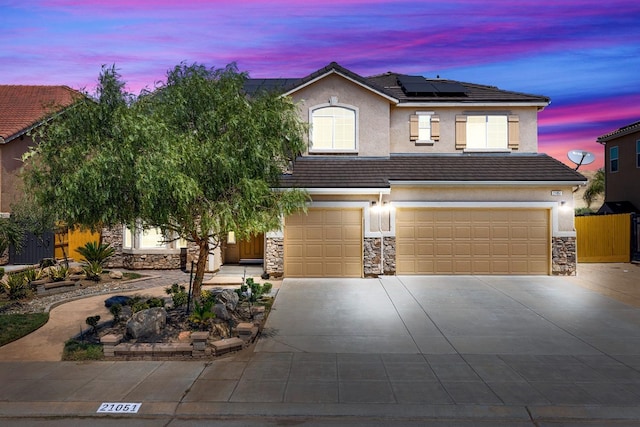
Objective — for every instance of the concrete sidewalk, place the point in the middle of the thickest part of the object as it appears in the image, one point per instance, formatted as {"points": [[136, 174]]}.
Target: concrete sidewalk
{"points": [[444, 350]]}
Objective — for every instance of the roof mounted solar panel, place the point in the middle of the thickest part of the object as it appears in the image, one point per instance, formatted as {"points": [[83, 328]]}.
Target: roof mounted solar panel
{"points": [[416, 85], [449, 88]]}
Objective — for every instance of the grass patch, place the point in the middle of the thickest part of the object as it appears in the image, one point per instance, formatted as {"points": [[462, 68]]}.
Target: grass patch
{"points": [[79, 350], [14, 326], [131, 276]]}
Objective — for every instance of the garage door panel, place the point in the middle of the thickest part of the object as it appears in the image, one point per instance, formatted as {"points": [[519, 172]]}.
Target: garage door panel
{"points": [[423, 232], [324, 242], [481, 232], [473, 241], [444, 249]]}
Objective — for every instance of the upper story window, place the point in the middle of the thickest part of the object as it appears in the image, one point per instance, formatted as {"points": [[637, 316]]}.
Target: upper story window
{"points": [[613, 159], [424, 127], [638, 153], [487, 132], [334, 129]]}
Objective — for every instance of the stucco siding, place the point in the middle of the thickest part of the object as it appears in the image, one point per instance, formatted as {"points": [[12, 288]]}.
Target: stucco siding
{"points": [[373, 111]]}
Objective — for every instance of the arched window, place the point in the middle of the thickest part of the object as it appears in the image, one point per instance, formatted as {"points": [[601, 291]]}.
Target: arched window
{"points": [[333, 128]]}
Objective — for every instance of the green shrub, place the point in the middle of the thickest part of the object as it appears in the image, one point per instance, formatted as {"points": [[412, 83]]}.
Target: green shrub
{"points": [[16, 286], [93, 322], [93, 270], [115, 310], [32, 274], [257, 290], [77, 350], [59, 273], [139, 306], [202, 314], [96, 252], [178, 294]]}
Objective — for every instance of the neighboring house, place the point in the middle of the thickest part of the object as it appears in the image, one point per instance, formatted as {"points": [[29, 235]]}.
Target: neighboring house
{"points": [[23, 108], [410, 175], [622, 169]]}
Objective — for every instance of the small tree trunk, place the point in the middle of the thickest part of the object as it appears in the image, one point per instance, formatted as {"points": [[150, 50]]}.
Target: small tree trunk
{"points": [[201, 266]]}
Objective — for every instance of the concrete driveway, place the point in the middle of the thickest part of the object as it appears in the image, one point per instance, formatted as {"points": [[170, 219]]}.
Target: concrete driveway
{"points": [[450, 315], [539, 342]]}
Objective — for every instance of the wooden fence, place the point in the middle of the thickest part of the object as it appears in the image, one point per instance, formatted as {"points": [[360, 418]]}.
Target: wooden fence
{"points": [[71, 240], [604, 238]]}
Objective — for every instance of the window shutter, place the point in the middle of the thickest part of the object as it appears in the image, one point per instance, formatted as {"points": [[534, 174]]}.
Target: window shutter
{"points": [[461, 132], [435, 128], [514, 132], [413, 127]]}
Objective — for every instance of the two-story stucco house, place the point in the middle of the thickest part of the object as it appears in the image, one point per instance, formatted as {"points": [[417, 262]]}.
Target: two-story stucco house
{"points": [[622, 169], [410, 175]]}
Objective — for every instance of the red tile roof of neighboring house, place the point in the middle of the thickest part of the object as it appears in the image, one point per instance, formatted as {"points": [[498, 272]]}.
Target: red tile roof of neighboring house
{"points": [[23, 107]]}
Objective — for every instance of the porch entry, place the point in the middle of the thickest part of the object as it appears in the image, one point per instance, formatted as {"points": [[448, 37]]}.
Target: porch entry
{"points": [[250, 251]]}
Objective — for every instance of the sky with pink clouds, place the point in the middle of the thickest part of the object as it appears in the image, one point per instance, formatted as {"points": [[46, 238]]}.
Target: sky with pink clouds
{"points": [[583, 54]]}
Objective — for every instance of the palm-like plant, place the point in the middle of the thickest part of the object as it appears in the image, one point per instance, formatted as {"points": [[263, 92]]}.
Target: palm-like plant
{"points": [[94, 252], [595, 187]]}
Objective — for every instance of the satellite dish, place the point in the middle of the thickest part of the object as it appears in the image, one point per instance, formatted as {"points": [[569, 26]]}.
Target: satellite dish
{"points": [[581, 157]]}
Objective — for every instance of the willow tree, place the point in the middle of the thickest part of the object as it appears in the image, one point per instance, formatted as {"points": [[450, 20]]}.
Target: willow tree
{"points": [[197, 157]]}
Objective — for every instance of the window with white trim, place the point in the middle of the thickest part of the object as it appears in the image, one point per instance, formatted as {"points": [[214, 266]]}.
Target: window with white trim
{"points": [[613, 159], [424, 127], [148, 238], [487, 132], [333, 128]]}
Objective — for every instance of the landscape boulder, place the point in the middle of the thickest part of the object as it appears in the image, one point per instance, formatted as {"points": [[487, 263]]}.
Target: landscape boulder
{"points": [[221, 312], [229, 298], [115, 274], [146, 323]]}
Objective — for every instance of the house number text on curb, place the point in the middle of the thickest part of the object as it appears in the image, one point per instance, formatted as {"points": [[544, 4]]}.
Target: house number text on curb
{"points": [[119, 408]]}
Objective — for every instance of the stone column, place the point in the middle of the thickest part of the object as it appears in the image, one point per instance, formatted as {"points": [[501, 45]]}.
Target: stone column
{"points": [[371, 254], [274, 256], [564, 256], [389, 255]]}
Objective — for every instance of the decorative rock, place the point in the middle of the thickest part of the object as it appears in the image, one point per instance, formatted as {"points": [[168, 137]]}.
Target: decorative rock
{"points": [[221, 311], [116, 275], [184, 336], [147, 322], [229, 298], [76, 269]]}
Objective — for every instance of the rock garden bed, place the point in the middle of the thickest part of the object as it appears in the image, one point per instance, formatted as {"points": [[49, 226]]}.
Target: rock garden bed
{"points": [[145, 328]]}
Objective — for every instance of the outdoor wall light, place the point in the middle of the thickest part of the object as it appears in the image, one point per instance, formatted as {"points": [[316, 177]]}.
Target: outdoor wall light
{"points": [[231, 238]]}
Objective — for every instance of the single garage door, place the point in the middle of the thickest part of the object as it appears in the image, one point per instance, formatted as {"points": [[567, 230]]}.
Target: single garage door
{"points": [[323, 243], [472, 241]]}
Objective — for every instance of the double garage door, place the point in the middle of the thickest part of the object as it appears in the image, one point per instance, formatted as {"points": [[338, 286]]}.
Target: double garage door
{"points": [[328, 242], [472, 241]]}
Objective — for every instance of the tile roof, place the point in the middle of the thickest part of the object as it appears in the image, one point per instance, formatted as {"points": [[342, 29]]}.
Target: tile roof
{"points": [[23, 107], [625, 130], [367, 172], [389, 84]]}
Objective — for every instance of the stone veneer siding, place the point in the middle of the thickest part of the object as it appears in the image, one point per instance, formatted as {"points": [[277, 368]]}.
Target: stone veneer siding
{"points": [[274, 256], [141, 260], [564, 256], [113, 236], [371, 264]]}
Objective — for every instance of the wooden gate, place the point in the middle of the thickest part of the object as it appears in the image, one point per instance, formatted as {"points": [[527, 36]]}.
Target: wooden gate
{"points": [[71, 240], [604, 238]]}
